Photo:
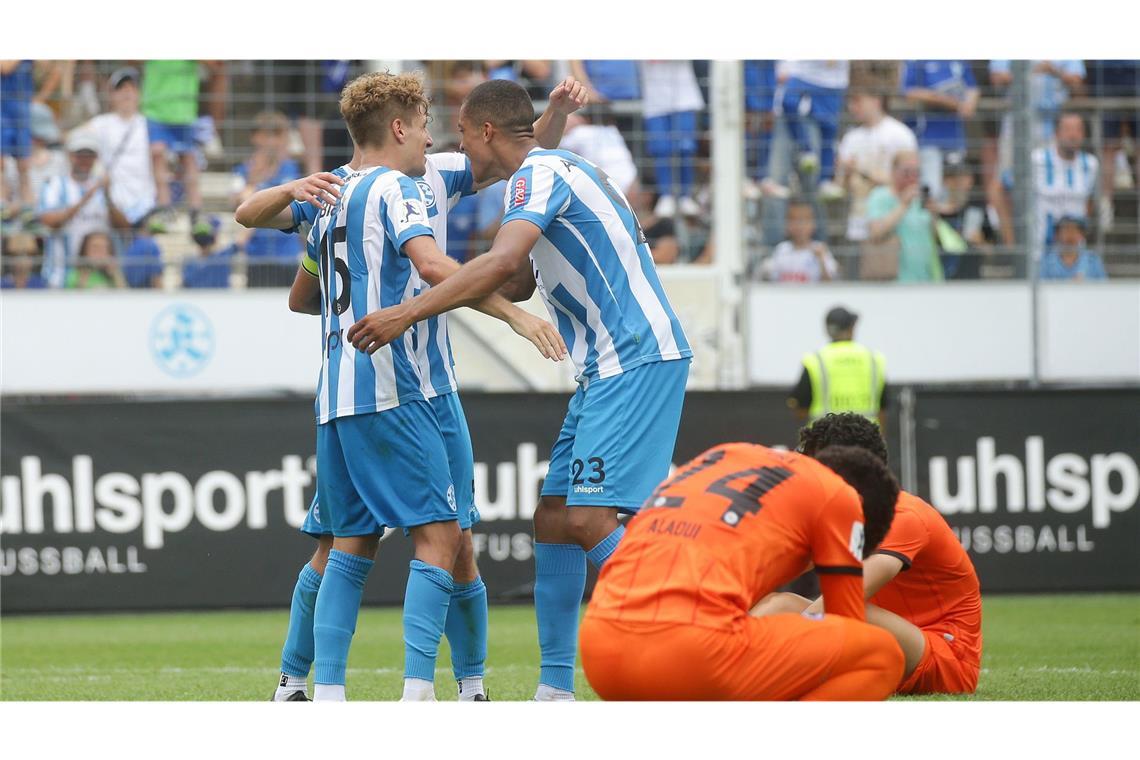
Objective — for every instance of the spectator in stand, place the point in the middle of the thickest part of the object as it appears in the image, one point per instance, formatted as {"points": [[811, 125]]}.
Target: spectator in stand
{"points": [[21, 259], [1070, 259], [1064, 178], [124, 148], [211, 268], [308, 92], [1051, 83], [901, 230], [1112, 80], [603, 146], [968, 219], [170, 104], [670, 101], [608, 80], [809, 101], [866, 154], [801, 258], [97, 267], [47, 159], [73, 205], [16, 90], [534, 76], [947, 96], [759, 91], [273, 255]]}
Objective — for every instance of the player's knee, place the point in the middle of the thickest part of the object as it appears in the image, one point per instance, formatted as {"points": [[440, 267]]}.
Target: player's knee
{"points": [[586, 526], [883, 655], [320, 557], [465, 569], [549, 518]]}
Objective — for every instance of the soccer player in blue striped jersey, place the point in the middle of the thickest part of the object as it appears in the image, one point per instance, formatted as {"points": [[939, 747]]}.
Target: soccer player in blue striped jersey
{"points": [[374, 247], [569, 231], [294, 206]]}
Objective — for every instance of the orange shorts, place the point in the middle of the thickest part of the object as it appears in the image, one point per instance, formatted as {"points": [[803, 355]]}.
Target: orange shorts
{"points": [[945, 668], [780, 657]]}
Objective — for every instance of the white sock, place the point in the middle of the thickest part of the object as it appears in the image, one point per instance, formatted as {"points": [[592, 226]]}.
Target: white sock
{"points": [[470, 687], [288, 685], [328, 692], [418, 690], [550, 694]]}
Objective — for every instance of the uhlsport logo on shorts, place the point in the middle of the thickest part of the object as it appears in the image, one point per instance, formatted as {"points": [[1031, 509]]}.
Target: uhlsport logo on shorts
{"points": [[182, 340]]}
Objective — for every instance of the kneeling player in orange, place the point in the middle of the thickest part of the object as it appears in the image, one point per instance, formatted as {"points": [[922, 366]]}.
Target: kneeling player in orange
{"points": [[669, 616], [920, 583]]}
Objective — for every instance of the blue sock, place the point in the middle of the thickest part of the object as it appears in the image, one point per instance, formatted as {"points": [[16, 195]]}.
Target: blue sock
{"points": [[466, 629], [600, 553], [334, 618], [559, 580], [426, 600], [297, 654]]}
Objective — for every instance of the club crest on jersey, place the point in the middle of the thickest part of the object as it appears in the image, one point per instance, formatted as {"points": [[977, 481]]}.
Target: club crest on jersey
{"points": [[426, 191], [451, 498], [413, 212], [520, 192]]}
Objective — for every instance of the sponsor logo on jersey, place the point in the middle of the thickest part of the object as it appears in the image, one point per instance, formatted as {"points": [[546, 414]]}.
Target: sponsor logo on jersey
{"points": [[413, 212], [520, 191]]}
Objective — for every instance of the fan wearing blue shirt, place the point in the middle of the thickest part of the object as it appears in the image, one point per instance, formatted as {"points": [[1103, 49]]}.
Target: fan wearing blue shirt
{"points": [[947, 96], [1070, 259]]}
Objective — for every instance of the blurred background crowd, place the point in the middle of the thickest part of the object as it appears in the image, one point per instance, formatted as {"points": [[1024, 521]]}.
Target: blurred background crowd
{"points": [[122, 174]]}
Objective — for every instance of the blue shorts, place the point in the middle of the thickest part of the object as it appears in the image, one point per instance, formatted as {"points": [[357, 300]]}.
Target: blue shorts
{"points": [[383, 469], [617, 442], [16, 128], [178, 138], [460, 456]]}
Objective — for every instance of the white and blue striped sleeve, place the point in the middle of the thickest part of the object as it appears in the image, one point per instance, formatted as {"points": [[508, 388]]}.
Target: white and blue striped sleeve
{"points": [[405, 213], [311, 261], [455, 168], [51, 196], [536, 194]]}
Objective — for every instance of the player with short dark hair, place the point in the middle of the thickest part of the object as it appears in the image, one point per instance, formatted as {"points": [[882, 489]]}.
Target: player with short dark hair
{"points": [[919, 583], [669, 619], [570, 222]]}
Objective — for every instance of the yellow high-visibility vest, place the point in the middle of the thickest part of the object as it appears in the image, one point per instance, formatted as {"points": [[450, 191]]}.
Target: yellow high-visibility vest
{"points": [[845, 377]]}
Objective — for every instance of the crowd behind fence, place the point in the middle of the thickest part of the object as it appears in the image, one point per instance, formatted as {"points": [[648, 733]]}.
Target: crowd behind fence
{"points": [[127, 173]]}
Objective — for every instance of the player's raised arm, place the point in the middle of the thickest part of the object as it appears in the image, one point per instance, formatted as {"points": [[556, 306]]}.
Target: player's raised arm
{"points": [[270, 208], [435, 267], [469, 285], [566, 98]]}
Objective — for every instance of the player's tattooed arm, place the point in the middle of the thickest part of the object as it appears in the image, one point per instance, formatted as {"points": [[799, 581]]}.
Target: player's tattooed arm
{"points": [[435, 267], [269, 208], [473, 282]]}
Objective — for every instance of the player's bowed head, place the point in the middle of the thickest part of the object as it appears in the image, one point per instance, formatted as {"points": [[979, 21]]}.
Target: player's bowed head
{"points": [[387, 116], [873, 481]]}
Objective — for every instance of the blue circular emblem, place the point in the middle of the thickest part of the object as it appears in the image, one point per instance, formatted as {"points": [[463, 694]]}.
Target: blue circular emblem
{"points": [[425, 188], [182, 340]]}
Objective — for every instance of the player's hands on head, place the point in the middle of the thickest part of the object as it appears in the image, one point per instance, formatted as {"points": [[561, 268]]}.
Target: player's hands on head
{"points": [[541, 333], [317, 189], [568, 96], [377, 329]]}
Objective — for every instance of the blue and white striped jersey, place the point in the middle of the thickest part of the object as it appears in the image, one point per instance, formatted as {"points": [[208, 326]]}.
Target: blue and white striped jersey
{"points": [[448, 177], [359, 242], [304, 215], [61, 249], [593, 266], [1063, 187]]}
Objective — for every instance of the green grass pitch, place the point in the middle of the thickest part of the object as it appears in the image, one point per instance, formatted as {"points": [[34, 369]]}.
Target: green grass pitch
{"points": [[1073, 647]]}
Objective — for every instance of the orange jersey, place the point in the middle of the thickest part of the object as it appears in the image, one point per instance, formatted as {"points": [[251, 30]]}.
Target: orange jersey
{"points": [[729, 527], [937, 587]]}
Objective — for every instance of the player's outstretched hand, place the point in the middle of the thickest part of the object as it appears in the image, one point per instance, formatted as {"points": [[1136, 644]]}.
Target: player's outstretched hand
{"points": [[317, 189], [377, 329], [541, 333], [569, 96]]}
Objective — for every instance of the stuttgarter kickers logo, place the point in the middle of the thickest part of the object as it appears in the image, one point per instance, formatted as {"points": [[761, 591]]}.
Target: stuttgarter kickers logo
{"points": [[426, 191], [520, 191], [182, 340]]}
